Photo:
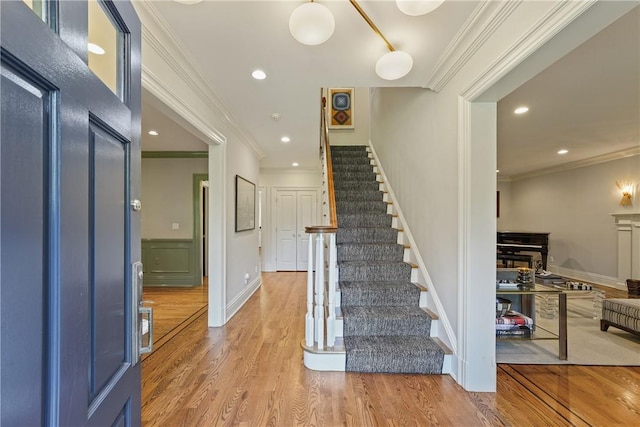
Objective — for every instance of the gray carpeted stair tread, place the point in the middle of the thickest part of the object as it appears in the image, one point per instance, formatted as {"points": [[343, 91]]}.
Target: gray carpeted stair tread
{"points": [[385, 320], [358, 195], [343, 162], [366, 234], [340, 168], [393, 354], [361, 206], [356, 185], [364, 220], [358, 251], [354, 176], [379, 270], [375, 293]]}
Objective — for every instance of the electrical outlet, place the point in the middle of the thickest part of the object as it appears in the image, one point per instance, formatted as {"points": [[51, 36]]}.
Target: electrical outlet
{"points": [[175, 226], [550, 259]]}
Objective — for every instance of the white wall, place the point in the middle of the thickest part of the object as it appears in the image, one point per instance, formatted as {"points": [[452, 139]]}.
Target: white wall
{"points": [[242, 255], [167, 196], [280, 178], [575, 206], [359, 135]]}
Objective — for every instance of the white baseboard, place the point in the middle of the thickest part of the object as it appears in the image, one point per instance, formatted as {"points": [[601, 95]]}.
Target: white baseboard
{"points": [[234, 305]]}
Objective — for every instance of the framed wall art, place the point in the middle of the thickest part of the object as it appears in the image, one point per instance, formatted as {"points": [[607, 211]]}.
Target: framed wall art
{"points": [[341, 108], [245, 204]]}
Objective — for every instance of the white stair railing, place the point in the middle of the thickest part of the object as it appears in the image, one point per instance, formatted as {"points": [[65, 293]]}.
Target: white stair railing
{"points": [[322, 274]]}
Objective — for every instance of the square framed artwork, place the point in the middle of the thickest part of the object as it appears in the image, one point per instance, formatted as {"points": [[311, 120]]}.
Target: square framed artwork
{"points": [[245, 204], [341, 108]]}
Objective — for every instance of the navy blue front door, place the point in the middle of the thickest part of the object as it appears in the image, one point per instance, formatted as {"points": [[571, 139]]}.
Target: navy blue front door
{"points": [[69, 169]]}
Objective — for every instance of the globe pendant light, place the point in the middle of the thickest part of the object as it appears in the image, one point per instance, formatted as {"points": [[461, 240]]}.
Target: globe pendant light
{"points": [[311, 23], [418, 7], [394, 65]]}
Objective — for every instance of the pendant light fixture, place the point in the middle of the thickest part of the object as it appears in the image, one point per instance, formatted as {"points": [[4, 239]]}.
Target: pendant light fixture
{"points": [[418, 7], [393, 65], [311, 23]]}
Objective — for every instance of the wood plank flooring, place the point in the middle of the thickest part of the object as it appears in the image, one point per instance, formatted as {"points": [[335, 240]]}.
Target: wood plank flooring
{"points": [[174, 308], [250, 373]]}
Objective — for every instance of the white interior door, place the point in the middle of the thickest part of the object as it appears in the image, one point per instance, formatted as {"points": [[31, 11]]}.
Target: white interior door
{"points": [[306, 216], [286, 230], [295, 210]]}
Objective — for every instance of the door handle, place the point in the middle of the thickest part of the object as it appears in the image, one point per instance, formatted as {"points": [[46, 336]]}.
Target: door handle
{"points": [[149, 312]]}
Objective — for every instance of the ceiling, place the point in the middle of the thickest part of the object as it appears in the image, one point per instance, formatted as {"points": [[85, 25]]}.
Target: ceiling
{"points": [[587, 102]]}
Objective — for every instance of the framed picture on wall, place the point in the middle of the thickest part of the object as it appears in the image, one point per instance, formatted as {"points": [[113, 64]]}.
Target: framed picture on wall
{"points": [[245, 204], [341, 108]]}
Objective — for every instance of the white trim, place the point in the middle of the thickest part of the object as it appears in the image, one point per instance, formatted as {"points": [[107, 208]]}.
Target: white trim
{"points": [[217, 234], [450, 338], [236, 304], [630, 152], [561, 15], [151, 83], [482, 23]]}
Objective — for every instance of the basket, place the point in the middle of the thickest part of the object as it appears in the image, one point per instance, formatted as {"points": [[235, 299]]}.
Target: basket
{"points": [[633, 286]]}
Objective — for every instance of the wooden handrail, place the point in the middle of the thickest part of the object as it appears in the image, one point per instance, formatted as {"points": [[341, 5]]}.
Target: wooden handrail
{"points": [[326, 147]]}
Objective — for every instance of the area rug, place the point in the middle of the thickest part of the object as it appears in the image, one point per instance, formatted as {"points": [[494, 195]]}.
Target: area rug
{"points": [[587, 344]]}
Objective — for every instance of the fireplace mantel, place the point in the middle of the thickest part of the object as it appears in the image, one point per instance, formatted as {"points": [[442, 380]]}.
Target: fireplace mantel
{"points": [[628, 225]]}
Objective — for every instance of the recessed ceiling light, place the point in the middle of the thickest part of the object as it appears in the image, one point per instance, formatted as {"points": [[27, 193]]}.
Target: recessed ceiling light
{"points": [[295, 164], [259, 75], [153, 133], [94, 48], [521, 110], [285, 139], [563, 151]]}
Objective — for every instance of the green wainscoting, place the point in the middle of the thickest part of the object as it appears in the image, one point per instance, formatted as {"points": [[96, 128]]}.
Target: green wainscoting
{"points": [[170, 262]]}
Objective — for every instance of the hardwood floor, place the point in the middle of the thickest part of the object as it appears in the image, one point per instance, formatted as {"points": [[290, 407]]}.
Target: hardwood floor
{"points": [[250, 373], [174, 308]]}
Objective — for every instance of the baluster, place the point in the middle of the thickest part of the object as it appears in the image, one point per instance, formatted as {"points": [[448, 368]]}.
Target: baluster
{"points": [[319, 302], [309, 316], [331, 323]]}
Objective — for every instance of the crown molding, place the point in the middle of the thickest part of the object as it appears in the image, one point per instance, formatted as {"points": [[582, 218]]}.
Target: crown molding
{"points": [[617, 155], [161, 91], [158, 35], [482, 23], [556, 19]]}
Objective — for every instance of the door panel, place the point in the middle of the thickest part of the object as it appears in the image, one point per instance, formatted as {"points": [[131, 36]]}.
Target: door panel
{"points": [[69, 168], [25, 142], [306, 216], [108, 232], [286, 230]]}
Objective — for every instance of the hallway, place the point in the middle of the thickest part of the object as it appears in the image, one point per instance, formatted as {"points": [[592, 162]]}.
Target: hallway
{"points": [[250, 372]]}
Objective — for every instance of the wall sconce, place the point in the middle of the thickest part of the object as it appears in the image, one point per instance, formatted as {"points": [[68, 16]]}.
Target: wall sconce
{"points": [[626, 188]]}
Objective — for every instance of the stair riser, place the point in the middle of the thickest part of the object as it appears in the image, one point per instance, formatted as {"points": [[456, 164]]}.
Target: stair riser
{"points": [[357, 185], [379, 362], [367, 326], [350, 160], [379, 298], [364, 220], [375, 273], [347, 235], [366, 195], [354, 176], [360, 252], [361, 207]]}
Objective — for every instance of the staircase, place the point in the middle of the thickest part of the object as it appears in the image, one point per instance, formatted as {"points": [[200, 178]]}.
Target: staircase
{"points": [[384, 327]]}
